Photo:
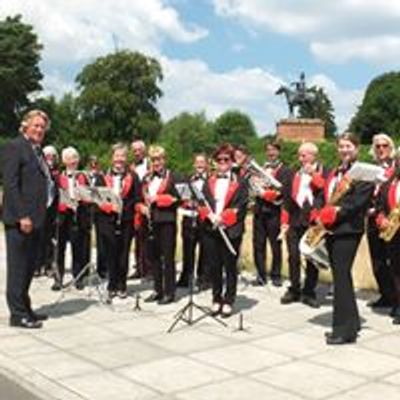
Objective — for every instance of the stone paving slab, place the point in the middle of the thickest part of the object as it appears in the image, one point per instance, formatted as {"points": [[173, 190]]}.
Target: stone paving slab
{"points": [[91, 351]]}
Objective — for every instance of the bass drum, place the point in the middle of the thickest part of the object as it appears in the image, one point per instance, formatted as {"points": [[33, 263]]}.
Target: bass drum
{"points": [[317, 255]]}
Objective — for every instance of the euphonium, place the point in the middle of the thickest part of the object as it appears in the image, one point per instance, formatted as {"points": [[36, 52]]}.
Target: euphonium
{"points": [[388, 233], [315, 233]]}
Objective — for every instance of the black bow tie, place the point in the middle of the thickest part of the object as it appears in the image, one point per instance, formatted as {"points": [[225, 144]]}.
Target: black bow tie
{"points": [[199, 176], [139, 162], [159, 174], [343, 168], [120, 174], [222, 176], [70, 174], [272, 164]]}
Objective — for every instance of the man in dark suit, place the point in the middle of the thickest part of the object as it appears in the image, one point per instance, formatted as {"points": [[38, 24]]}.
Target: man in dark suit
{"points": [[28, 190], [267, 217]]}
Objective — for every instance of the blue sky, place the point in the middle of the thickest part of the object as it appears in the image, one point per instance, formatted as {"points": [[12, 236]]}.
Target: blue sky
{"points": [[223, 54]]}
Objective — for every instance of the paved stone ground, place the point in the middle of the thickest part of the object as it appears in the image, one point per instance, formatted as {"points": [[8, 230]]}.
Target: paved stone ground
{"points": [[91, 351]]}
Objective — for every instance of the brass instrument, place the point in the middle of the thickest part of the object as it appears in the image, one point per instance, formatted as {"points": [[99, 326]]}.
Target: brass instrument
{"points": [[387, 234], [262, 179], [313, 239], [316, 233]]}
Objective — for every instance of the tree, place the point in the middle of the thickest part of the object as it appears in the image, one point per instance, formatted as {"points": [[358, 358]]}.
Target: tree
{"points": [[235, 127], [19, 71], [185, 135], [118, 95], [379, 111], [65, 128], [320, 108]]}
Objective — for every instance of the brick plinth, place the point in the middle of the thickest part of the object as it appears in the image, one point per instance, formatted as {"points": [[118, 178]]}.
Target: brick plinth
{"points": [[300, 129]]}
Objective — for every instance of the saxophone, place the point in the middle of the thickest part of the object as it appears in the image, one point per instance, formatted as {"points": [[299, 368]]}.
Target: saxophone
{"points": [[388, 233], [315, 233]]}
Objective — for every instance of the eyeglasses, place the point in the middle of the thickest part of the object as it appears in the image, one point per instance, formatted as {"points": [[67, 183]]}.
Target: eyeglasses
{"points": [[382, 145], [223, 159], [155, 158]]}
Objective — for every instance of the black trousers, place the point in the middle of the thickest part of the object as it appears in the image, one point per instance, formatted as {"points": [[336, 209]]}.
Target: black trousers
{"points": [[46, 251], [143, 265], [221, 261], [79, 238], [161, 250], [22, 251], [311, 273], [342, 251], [192, 237], [115, 247], [378, 250], [267, 226], [101, 258], [393, 249]]}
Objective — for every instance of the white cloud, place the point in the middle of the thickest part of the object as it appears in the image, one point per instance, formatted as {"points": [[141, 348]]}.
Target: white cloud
{"points": [[192, 86], [345, 101], [336, 31], [76, 30]]}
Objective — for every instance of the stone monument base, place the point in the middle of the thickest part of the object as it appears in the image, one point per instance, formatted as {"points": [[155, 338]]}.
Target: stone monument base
{"points": [[301, 129]]}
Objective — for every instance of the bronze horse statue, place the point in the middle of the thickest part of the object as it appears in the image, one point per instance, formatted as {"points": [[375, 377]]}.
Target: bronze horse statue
{"points": [[298, 96]]}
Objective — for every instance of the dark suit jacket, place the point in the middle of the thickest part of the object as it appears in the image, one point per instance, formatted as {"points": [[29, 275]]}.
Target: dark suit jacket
{"points": [[237, 198], [299, 216], [164, 214], [284, 175], [25, 184], [353, 206]]}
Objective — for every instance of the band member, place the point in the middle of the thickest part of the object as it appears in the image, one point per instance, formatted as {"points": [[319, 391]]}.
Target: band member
{"points": [[267, 217], [140, 166], [241, 156], [223, 213], [192, 230], [308, 182], [28, 191], [47, 246], [116, 226], [346, 204], [383, 152], [95, 175], [388, 205], [161, 200], [73, 223]]}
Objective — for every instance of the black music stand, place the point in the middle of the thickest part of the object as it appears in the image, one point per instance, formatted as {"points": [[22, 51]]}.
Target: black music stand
{"points": [[186, 313]]}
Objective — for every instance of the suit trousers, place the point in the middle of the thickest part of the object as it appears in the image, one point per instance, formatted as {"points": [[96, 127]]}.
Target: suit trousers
{"points": [[378, 250], [342, 250], [311, 273], [221, 261], [116, 243], [162, 247], [79, 238], [267, 226], [192, 237], [22, 253]]}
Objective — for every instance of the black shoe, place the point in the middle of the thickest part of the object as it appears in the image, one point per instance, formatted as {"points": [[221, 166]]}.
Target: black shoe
{"points": [[336, 340], [122, 294], [166, 300], [135, 275], [56, 287], [25, 322], [182, 283], [259, 282], [277, 281], [79, 285], [380, 303], [290, 297], [39, 317], [153, 297], [310, 301]]}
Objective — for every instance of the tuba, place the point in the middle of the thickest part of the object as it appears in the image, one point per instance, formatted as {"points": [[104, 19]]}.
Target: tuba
{"points": [[388, 233]]}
